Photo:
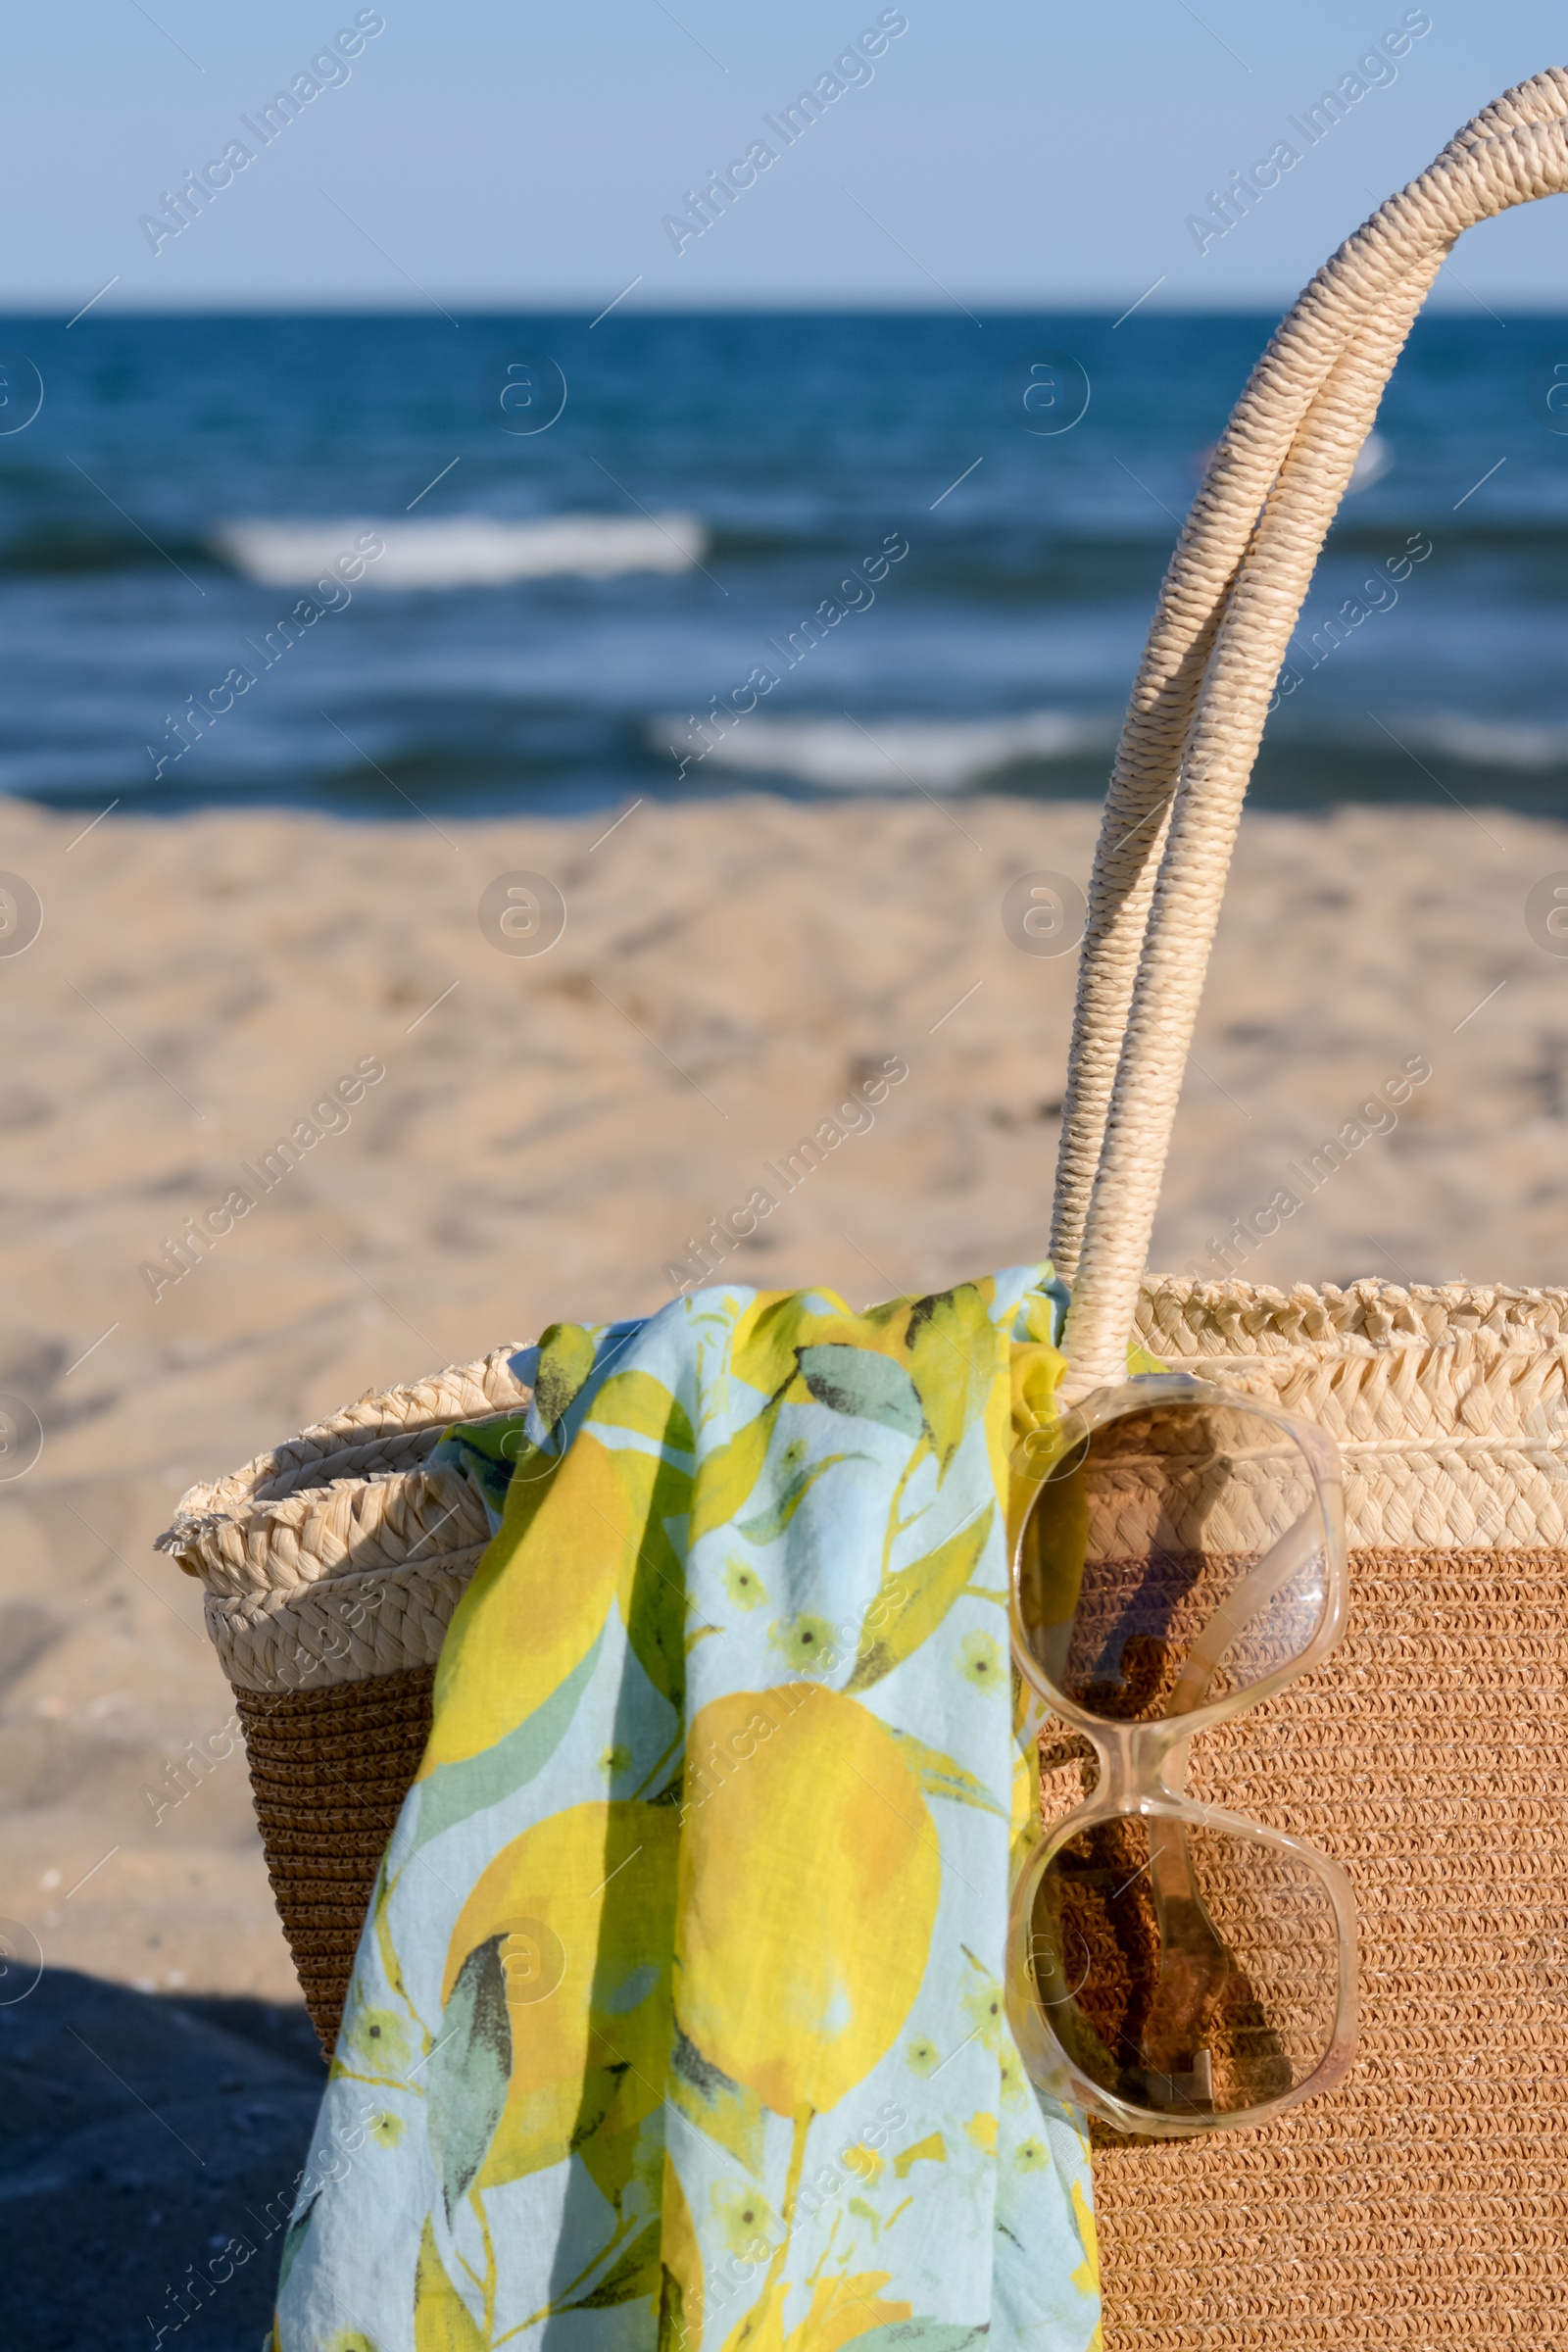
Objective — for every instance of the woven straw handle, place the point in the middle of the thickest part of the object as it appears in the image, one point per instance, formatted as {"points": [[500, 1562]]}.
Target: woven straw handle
{"points": [[1230, 601]]}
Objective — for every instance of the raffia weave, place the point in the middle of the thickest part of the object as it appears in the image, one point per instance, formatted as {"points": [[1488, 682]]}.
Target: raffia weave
{"points": [[329, 1770], [331, 1567], [339, 1555], [1449, 1405], [1426, 2201]]}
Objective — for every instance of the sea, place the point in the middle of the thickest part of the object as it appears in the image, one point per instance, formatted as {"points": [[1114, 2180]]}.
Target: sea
{"points": [[385, 565]]}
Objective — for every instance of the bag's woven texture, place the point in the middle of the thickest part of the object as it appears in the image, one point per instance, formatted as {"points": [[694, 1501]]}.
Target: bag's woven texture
{"points": [[339, 1555], [330, 1771], [331, 1567], [1426, 2201]]}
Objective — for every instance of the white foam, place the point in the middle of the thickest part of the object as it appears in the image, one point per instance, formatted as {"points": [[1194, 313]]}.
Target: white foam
{"points": [[1495, 742], [889, 754], [1372, 459], [464, 551]]}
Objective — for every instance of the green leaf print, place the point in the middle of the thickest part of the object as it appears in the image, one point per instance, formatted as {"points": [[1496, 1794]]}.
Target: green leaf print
{"points": [[565, 1359], [706, 2096], [913, 1600], [442, 2320], [940, 1775], [921, 2335], [469, 2071], [634, 2275], [726, 1476], [767, 1525], [293, 2238], [951, 1346], [872, 1388], [655, 1608], [673, 2330]]}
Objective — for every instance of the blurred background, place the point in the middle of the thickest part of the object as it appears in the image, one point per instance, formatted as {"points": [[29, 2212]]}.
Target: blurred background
{"points": [[421, 477]]}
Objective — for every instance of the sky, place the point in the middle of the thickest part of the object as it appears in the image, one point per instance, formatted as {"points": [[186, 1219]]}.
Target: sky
{"points": [[517, 156]]}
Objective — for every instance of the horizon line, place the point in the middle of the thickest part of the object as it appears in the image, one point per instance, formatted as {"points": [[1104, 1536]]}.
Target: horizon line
{"points": [[62, 310]]}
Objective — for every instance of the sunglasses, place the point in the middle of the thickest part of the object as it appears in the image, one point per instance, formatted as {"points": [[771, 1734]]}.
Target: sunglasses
{"points": [[1174, 1969]]}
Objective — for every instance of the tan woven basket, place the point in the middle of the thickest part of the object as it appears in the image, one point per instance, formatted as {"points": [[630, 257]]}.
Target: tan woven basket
{"points": [[331, 1567], [1424, 2202]]}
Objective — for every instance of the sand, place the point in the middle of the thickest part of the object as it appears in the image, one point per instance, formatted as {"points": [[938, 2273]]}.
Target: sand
{"points": [[553, 1131]]}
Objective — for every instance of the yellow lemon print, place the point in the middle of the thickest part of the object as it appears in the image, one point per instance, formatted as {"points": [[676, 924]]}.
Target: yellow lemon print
{"points": [[1086, 2278], [582, 1902], [842, 2308], [809, 1884], [682, 2296], [515, 1639]]}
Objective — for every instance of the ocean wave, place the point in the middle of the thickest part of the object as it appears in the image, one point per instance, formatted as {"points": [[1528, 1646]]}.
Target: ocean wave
{"points": [[1495, 743], [1372, 459], [464, 551], [892, 755]]}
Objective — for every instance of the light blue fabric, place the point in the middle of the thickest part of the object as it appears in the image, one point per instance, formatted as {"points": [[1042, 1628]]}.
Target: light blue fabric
{"points": [[676, 2024]]}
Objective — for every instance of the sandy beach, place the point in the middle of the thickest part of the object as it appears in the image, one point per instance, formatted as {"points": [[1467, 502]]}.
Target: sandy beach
{"points": [[550, 1132]]}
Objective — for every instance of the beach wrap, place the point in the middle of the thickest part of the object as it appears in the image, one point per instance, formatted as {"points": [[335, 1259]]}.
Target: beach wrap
{"points": [[677, 2024]]}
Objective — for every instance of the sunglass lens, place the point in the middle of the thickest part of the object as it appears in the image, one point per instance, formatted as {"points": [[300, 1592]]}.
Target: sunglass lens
{"points": [[1176, 1554], [1186, 1971]]}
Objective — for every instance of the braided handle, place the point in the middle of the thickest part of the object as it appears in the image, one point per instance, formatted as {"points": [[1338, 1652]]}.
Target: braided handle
{"points": [[1230, 601]]}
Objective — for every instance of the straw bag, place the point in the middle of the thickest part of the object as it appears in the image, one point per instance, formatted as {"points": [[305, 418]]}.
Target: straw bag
{"points": [[1424, 2202], [331, 1567]]}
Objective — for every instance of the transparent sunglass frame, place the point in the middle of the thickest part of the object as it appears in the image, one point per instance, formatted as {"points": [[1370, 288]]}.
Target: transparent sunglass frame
{"points": [[1142, 1769]]}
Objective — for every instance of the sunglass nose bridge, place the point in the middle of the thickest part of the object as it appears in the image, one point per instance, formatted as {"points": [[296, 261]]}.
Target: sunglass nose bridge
{"points": [[1133, 1762]]}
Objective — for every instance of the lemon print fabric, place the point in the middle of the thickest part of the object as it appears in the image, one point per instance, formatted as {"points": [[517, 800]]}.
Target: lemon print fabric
{"points": [[676, 2023]]}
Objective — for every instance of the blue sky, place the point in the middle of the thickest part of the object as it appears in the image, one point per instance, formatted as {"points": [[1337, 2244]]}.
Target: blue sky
{"points": [[525, 155]]}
